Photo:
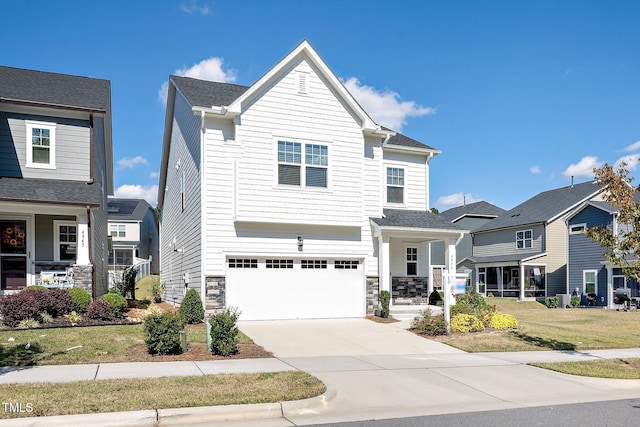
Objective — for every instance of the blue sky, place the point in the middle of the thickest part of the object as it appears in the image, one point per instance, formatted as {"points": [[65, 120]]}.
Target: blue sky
{"points": [[519, 96]]}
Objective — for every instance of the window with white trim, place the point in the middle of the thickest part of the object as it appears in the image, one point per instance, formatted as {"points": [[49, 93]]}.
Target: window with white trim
{"points": [[524, 239], [118, 230], [290, 164], [412, 261], [279, 263], [121, 257], [395, 185], [41, 145], [243, 263], [313, 263], [66, 240], [577, 228], [589, 281], [346, 264]]}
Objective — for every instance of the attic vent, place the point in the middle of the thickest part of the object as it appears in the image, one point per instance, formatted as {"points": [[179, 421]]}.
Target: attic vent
{"points": [[515, 215], [302, 83]]}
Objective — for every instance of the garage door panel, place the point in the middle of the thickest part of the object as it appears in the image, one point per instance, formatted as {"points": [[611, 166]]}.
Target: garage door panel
{"points": [[296, 293]]}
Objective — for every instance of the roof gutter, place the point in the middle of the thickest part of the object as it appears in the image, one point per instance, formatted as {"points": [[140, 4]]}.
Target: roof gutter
{"points": [[51, 105]]}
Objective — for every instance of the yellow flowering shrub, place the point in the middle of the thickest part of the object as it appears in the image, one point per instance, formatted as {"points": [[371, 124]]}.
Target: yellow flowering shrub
{"points": [[466, 323], [503, 321]]}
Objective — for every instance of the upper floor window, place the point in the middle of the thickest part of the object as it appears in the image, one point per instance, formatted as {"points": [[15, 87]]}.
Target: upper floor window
{"points": [[577, 228], [118, 230], [524, 239], [290, 164], [41, 145], [395, 185]]}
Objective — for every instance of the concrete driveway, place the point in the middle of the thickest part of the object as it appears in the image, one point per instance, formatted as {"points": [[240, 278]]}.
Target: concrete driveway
{"points": [[375, 371]]}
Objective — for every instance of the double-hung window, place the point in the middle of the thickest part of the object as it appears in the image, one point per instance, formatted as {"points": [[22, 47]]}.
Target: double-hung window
{"points": [[66, 241], [41, 145], [395, 185], [412, 261], [291, 165], [589, 281], [118, 230], [524, 239]]}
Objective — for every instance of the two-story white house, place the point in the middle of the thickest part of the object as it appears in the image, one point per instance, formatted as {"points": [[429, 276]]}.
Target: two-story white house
{"points": [[286, 200], [55, 174]]}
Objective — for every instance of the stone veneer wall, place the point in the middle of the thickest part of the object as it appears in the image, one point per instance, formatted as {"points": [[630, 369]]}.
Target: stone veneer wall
{"points": [[214, 299], [373, 290], [409, 290], [83, 277]]}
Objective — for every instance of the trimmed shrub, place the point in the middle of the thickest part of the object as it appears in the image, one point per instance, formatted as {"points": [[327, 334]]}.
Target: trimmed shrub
{"points": [[17, 307], [29, 323], [117, 303], [551, 302], [99, 310], [191, 308], [59, 302], [162, 333], [466, 323], [385, 298], [471, 303], [427, 324], [40, 293], [503, 321], [435, 298], [156, 289], [224, 332], [575, 301], [80, 298]]}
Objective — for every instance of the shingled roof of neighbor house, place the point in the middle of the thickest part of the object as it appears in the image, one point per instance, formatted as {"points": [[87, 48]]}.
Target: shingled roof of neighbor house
{"points": [[544, 206], [207, 94], [53, 89], [50, 191], [127, 209], [481, 208]]}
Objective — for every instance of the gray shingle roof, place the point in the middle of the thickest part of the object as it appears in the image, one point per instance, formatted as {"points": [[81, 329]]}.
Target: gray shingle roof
{"points": [[50, 191], [127, 209], [404, 141], [414, 219], [506, 258], [543, 206], [203, 93], [480, 208], [17, 84]]}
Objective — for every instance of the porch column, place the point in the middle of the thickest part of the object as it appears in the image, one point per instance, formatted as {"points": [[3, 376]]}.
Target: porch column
{"points": [[384, 263], [522, 282], [82, 255], [610, 289]]}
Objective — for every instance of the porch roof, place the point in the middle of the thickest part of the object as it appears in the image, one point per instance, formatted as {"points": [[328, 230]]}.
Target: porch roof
{"points": [[515, 258], [60, 192], [416, 224]]}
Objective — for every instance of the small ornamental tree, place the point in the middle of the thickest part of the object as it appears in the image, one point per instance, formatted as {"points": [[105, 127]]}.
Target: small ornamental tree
{"points": [[621, 247], [191, 307]]}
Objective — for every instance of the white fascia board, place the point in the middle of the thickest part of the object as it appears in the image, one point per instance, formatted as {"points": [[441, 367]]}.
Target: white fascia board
{"points": [[536, 256], [221, 112], [403, 149], [427, 233], [305, 49]]}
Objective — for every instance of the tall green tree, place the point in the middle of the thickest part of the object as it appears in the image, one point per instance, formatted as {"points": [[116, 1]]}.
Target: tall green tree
{"points": [[621, 248]]}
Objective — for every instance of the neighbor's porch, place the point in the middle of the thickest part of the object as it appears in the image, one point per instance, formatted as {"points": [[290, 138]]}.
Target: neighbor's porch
{"points": [[505, 280]]}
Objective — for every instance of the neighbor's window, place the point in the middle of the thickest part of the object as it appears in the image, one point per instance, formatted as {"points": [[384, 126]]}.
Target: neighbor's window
{"points": [[121, 257], [577, 228], [412, 261], [66, 241], [118, 230], [290, 164], [524, 239], [41, 145], [589, 281], [395, 185]]}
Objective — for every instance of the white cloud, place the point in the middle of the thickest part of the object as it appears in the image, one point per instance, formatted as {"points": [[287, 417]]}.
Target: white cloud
{"points": [[130, 163], [456, 199], [146, 192], [208, 69], [584, 168], [631, 160], [385, 106], [633, 147], [154, 175], [535, 169], [194, 7]]}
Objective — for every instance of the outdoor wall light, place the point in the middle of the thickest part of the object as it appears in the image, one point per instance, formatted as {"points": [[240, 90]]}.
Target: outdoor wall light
{"points": [[300, 242]]}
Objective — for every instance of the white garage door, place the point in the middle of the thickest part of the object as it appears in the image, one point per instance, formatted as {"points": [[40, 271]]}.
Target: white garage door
{"points": [[265, 288]]}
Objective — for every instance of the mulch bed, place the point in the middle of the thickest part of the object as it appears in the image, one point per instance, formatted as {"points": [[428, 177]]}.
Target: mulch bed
{"points": [[382, 319], [196, 351]]}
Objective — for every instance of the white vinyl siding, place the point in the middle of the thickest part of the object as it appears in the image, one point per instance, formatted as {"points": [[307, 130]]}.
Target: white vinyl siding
{"points": [[415, 192], [395, 185]]}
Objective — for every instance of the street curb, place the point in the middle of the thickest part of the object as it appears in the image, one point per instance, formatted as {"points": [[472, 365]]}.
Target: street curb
{"points": [[105, 419], [212, 414]]}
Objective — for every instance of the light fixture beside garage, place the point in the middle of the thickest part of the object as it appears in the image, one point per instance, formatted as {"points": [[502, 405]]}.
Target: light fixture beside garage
{"points": [[300, 242]]}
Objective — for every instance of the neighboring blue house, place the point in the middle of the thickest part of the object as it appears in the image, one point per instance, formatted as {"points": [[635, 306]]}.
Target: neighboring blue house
{"points": [[589, 274]]}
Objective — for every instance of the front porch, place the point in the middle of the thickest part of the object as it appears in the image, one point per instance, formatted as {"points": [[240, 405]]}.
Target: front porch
{"points": [[522, 279]]}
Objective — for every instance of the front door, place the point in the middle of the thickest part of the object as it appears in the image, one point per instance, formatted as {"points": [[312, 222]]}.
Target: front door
{"points": [[13, 254]]}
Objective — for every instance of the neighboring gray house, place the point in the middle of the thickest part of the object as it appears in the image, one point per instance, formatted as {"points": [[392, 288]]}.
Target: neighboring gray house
{"points": [[133, 229], [55, 174], [286, 200], [589, 274], [469, 217], [529, 242]]}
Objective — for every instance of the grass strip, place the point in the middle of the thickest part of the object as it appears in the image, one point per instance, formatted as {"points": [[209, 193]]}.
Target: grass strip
{"points": [[84, 397], [624, 369]]}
